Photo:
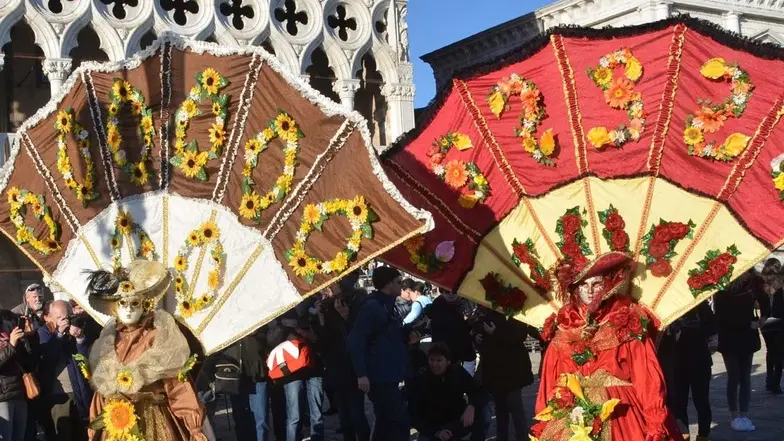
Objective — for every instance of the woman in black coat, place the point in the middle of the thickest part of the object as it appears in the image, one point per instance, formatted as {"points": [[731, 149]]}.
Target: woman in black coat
{"points": [[15, 358], [739, 339], [773, 328]]}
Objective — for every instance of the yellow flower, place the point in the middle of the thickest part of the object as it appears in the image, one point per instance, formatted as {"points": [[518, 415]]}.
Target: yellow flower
{"points": [[249, 204], [497, 103], [217, 135], [216, 108], [125, 380], [268, 199], [209, 231], [121, 90], [462, 142], [779, 181], [186, 309], [124, 223], [574, 385], [180, 133], [633, 69], [210, 81], [180, 263], [311, 214], [13, 195], [580, 433], [480, 180], [467, 200], [268, 134], [179, 281], [190, 108], [64, 121], [735, 144], [284, 182], [529, 144], [714, 68], [194, 238], [247, 171], [126, 286], [139, 174], [147, 248], [603, 76], [340, 262], [192, 162], [357, 209], [137, 107], [599, 136], [253, 145], [118, 418], [693, 135], [213, 280], [300, 263], [179, 146], [113, 137], [547, 142], [607, 408], [286, 128], [147, 123], [532, 438], [545, 415]]}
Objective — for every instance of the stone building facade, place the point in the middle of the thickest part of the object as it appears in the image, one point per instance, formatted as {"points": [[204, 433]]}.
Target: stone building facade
{"points": [[354, 51]]}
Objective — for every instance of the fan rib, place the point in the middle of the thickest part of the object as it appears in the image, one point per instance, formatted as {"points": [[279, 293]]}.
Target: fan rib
{"points": [[646, 212], [100, 133], [516, 270], [165, 201], [749, 156], [686, 253], [495, 149], [43, 171], [438, 204], [593, 220], [166, 92], [319, 165], [572, 104], [93, 254], [224, 296], [539, 226], [667, 104], [238, 128]]}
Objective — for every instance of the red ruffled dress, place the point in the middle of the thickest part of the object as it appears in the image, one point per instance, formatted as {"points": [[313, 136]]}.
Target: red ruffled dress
{"points": [[613, 356]]}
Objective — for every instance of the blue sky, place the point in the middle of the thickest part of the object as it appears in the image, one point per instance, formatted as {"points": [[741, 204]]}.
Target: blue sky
{"points": [[433, 24]]}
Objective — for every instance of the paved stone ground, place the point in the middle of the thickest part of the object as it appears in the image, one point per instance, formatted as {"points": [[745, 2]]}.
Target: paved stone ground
{"points": [[766, 411]]}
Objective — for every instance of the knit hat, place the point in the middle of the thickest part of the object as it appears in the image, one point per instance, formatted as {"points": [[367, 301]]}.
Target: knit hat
{"points": [[383, 276]]}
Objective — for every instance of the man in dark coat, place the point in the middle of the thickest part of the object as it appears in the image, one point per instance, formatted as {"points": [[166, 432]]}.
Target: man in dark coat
{"points": [[449, 325]]}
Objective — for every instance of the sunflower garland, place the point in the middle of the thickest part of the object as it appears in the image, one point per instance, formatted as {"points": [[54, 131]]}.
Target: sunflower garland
{"points": [[66, 124], [187, 156], [458, 174], [84, 366], [123, 93], [619, 94], [124, 226], [119, 420], [182, 375], [18, 201], [285, 128], [710, 118], [207, 234], [359, 215], [532, 116]]}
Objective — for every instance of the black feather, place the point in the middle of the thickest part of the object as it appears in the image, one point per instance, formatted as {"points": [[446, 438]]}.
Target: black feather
{"points": [[102, 283]]}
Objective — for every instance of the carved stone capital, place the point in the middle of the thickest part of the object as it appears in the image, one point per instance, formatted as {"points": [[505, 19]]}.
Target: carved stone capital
{"points": [[400, 91], [346, 88], [405, 72], [57, 68]]}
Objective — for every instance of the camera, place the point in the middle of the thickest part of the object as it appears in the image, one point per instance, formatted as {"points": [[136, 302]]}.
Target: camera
{"points": [[77, 320]]}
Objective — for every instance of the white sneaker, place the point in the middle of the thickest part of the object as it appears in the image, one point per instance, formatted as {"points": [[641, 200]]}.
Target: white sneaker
{"points": [[737, 425], [747, 424]]}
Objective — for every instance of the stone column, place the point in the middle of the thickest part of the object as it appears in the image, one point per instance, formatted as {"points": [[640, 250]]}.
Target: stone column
{"points": [[346, 90], [661, 11], [56, 70], [400, 99], [732, 21]]}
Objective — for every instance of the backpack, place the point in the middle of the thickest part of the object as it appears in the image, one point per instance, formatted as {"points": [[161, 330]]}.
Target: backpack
{"points": [[287, 358], [228, 374]]}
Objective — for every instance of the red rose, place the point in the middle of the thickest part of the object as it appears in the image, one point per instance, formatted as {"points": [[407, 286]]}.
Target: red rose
{"points": [[541, 282], [579, 261], [661, 234], [571, 224], [579, 347], [718, 269], [619, 320], [678, 230], [662, 268], [619, 240], [571, 249], [696, 282], [548, 329], [658, 249], [436, 159], [515, 299], [538, 428], [433, 149], [490, 284], [727, 259], [597, 426], [624, 334], [614, 222], [635, 325], [522, 253]]}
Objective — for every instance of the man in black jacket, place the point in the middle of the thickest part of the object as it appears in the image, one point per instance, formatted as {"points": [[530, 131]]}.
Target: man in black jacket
{"points": [[505, 370], [449, 325], [436, 401]]}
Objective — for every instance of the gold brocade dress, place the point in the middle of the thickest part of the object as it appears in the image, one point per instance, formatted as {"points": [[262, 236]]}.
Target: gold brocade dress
{"points": [[167, 409]]}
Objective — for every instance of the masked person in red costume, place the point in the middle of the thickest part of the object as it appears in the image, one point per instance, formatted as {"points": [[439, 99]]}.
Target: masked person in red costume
{"points": [[600, 378]]}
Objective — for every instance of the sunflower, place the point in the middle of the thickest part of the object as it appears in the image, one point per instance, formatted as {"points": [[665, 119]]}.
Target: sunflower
{"points": [[180, 263], [254, 146], [284, 182], [268, 199], [179, 146], [194, 239], [122, 89], [147, 248], [179, 281], [301, 263], [286, 128], [147, 123], [139, 174], [619, 93], [249, 204], [118, 418], [193, 162], [340, 262], [13, 195], [137, 107], [209, 231], [217, 135], [311, 214], [115, 242], [210, 81], [64, 121], [693, 135], [357, 209], [603, 76], [125, 380], [456, 173], [216, 108], [126, 286], [124, 223], [268, 134], [205, 300], [190, 108], [113, 137], [186, 309], [113, 109], [213, 279]]}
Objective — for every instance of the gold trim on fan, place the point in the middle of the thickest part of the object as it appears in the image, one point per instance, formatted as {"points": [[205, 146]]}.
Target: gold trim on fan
{"points": [[165, 253], [247, 331], [593, 220], [224, 296], [200, 260], [91, 251]]}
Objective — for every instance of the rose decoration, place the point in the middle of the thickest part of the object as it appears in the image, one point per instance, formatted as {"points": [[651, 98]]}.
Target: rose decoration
{"points": [[459, 175], [714, 271], [573, 245], [525, 254], [503, 296], [659, 245], [613, 231]]}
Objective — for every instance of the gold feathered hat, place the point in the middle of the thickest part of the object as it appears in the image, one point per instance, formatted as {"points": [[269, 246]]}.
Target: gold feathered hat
{"points": [[144, 279]]}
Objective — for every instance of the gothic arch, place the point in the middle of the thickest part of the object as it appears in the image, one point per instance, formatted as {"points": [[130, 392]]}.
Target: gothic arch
{"points": [[385, 62], [337, 58], [285, 52], [45, 36], [8, 21], [108, 38], [134, 42]]}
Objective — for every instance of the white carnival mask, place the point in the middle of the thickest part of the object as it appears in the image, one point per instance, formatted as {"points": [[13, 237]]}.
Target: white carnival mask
{"points": [[130, 310]]}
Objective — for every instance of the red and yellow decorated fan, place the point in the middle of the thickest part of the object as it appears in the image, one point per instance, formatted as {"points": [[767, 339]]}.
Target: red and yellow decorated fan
{"points": [[662, 141]]}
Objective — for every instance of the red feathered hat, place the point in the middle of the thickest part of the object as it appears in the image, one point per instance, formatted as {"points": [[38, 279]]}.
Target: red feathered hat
{"points": [[615, 266]]}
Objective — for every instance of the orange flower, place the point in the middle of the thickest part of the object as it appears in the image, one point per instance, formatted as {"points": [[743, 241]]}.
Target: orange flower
{"points": [[456, 174], [711, 121], [619, 94], [530, 99]]}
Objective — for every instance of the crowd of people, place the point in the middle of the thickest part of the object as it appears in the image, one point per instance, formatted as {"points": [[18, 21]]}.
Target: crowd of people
{"points": [[436, 364]]}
